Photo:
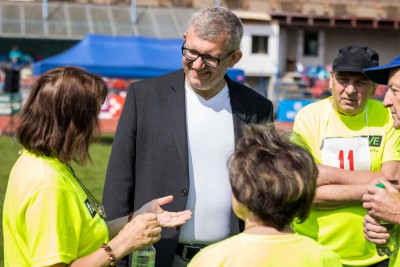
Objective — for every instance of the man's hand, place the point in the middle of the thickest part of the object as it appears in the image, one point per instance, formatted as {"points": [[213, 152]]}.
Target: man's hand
{"points": [[373, 231], [394, 182], [383, 203]]}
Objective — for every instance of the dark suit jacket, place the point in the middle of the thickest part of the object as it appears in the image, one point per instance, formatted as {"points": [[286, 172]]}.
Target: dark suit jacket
{"points": [[149, 158]]}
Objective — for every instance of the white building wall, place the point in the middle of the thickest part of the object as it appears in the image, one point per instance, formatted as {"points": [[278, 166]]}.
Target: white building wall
{"points": [[386, 43], [311, 60], [260, 64]]}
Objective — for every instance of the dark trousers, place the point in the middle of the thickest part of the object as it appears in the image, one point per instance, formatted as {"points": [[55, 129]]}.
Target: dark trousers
{"points": [[384, 263]]}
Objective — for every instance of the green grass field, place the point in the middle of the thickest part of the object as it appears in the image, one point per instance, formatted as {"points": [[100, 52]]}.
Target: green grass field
{"points": [[92, 175]]}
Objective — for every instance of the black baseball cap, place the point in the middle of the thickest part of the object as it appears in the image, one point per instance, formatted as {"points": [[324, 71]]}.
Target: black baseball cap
{"points": [[381, 74], [355, 58]]}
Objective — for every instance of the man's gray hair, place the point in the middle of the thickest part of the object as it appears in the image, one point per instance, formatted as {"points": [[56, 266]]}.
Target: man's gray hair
{"points": [[209, 23]]}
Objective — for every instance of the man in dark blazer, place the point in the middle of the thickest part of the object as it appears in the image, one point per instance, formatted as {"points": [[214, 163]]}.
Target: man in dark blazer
{"points": [[158, 142]]}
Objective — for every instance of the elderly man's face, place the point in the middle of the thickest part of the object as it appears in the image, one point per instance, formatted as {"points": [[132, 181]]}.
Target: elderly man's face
{"points": [[350, 92], [392, 96]]}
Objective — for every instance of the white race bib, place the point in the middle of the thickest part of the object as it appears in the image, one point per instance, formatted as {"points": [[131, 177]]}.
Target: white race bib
{"points": [[347, 153]]}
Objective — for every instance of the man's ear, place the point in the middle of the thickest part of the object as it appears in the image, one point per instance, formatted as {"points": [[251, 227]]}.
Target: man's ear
{"points": [[235, 57], [332, 76], [374, 87]]}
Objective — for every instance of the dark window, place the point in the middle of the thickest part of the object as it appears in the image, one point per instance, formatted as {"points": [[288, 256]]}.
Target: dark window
{"points": [[259, 45], [311, 43]]}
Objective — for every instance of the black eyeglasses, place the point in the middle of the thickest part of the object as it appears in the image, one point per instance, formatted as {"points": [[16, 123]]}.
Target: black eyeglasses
{"points": [[208, 60]]}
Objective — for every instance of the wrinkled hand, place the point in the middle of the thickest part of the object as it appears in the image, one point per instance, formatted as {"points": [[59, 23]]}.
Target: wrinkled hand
{"points": [[373, 231], [394, 182], [167, 219], [383, 203], [388, 179], [142, 231]]}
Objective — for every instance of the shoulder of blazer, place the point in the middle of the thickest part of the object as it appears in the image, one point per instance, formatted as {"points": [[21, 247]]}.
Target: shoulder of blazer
{"points": [[173, 80], [242, 92]]}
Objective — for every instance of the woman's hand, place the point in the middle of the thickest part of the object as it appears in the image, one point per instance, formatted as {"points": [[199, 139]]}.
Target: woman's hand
{"points": [[166, 218], [142, 231]]}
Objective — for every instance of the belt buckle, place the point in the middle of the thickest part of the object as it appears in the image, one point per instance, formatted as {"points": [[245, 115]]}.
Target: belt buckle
{"points": [[193, 250]]}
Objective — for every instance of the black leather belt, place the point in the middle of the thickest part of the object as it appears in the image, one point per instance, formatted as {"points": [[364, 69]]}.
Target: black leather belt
{"points": [[187, 252]]}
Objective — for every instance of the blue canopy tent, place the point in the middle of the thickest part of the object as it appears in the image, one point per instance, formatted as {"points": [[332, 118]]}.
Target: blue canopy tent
{"points": [[123, 57]]}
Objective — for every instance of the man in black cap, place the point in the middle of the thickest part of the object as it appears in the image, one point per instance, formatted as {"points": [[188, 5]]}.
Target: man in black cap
{"points": [[354, 144], [384, 204]]}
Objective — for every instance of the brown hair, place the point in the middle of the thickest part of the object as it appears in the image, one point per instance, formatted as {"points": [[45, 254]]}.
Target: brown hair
{"points": [[274, 178], [60, 116]]}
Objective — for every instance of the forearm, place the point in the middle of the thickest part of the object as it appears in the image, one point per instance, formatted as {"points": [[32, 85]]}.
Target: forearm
{"points": [[338, 196], [334, 176], [114, 226], [141, 231], [391, 169], [99, 258]]}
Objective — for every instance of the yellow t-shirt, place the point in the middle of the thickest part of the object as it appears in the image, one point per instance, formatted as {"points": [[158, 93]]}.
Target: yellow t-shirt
{"points": [[46, 217], [395, 260], [341, 229], [266, 251]]}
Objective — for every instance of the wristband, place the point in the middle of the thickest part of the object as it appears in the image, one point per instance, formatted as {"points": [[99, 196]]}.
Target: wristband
{"points": [[112, 258], [130, 215]]}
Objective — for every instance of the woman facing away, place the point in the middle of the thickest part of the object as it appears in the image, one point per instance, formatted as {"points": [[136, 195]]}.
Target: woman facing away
{"points": [[273, 183], [49, 216]]}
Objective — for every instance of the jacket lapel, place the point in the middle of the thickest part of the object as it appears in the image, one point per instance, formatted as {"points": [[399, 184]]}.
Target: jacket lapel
{"points": [[238, 109], [176, 102], [177, 106]]}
